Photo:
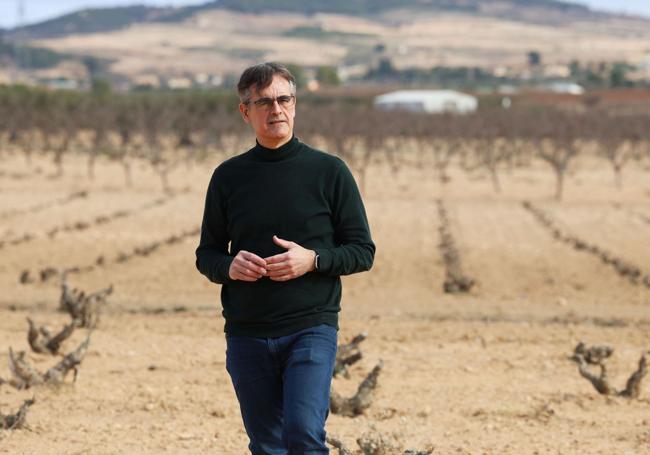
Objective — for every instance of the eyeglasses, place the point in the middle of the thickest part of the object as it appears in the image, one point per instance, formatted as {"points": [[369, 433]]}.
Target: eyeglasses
{"points": [[265, 103]]}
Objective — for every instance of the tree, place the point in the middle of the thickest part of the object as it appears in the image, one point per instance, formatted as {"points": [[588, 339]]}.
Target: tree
{"points": [[617, 75], [617, 144], [495, 143], [100, 87], [298, 73], [557, 145], [328, 75], [534, 58]]}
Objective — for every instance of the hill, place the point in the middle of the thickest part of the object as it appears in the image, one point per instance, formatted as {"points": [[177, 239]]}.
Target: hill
{"points": [[107, 19], [95, 20], [221, 38], [502, 8]]}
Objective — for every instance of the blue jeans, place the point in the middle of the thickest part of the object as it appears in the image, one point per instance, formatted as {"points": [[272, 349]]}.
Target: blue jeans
{"points": [[283, 388]]}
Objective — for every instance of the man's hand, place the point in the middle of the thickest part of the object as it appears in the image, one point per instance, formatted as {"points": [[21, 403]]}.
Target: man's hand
{"points": [[247, 267], [295, 262]]}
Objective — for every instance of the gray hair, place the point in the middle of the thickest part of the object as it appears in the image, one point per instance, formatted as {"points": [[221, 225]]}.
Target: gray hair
{"points": [[261, 76]]}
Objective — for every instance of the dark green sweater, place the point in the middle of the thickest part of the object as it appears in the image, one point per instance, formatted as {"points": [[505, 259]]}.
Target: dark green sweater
{"points": [[299, 194]]}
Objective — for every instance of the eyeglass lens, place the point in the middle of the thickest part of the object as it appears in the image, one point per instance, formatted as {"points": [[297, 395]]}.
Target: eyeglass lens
{"points": [[283, 101]]}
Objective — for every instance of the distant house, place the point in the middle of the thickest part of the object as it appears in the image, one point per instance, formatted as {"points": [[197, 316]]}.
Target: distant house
{"points": [[179, 83], [59, 83], [146, 81], [570, 88], [430, 101]]}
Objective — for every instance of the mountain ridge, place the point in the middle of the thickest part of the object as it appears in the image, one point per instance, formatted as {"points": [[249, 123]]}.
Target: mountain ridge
{"points": [[94, 20]]}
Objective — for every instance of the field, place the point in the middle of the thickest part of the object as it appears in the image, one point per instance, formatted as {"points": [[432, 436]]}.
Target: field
{"points": [[486, 372]]}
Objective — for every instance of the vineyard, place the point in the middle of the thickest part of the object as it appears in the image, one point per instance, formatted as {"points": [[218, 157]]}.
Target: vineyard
{"points": [[504, 239]]}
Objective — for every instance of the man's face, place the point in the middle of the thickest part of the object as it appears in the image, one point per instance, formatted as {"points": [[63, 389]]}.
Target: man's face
{"points": [[273, 124]]}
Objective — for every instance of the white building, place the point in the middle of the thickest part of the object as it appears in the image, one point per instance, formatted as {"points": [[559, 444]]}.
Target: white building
{"points": [[179, 83], [431, 101], [570, 88]]}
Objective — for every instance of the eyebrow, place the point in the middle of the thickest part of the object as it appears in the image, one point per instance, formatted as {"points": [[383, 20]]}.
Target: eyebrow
{"points": [[269, 96]]}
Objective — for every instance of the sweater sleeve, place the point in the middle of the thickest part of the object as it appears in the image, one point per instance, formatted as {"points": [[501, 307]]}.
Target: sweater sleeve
{"points": [[355, 250], [212, 258]]}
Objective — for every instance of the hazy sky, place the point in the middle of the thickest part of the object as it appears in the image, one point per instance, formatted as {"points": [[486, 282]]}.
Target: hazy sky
{"points": [[37, 10]]}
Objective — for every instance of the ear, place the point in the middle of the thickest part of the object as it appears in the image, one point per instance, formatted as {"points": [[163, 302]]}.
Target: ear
{"points": [[243, 110]]}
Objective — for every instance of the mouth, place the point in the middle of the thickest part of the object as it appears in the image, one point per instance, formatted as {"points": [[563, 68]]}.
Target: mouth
{"points": [[275, 122]]}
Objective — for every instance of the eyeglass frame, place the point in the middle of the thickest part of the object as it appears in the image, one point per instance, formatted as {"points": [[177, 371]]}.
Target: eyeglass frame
{"points": [[270, 104]]}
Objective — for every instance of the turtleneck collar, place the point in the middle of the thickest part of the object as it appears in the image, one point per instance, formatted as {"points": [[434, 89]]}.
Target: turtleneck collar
{"points": [[283, 152]]}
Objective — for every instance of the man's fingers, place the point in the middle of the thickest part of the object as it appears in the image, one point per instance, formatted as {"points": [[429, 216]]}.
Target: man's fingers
{"points": [[246, 272], [253, 258], [277, 258], [248, 266], [239, 273], [242, 277], [276, 273], [242, 262], [277, 266], [281, 242], [254, 268]]}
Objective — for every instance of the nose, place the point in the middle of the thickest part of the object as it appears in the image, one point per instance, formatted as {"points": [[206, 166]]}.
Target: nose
{"points": [[275, 107]]}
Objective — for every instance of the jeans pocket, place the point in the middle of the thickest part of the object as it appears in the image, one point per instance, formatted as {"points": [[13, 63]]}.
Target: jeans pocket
{"points": [[309, 355], [318, 346], [324, 336]]}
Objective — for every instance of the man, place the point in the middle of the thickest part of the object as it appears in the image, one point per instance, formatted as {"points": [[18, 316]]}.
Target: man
{"points": [[282, 222]]}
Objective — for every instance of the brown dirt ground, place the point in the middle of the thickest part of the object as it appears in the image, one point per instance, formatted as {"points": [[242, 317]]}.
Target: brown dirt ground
{"points": [[483, 373]]}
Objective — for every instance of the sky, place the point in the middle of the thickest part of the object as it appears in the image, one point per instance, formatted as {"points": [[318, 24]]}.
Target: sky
{"points": [[38, 10]]}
